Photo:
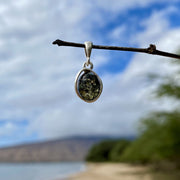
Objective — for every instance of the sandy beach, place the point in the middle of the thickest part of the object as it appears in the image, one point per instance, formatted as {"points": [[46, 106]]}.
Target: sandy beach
{"points": [[122, 171], [113, 172]]}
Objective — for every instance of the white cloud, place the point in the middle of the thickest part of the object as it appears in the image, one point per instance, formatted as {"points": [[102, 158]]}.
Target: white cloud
{"points": [[118, 33], [155, 27], [7, 129]]}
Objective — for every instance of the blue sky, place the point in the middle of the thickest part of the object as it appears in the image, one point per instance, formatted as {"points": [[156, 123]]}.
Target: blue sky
{"points": [[38, 100]]}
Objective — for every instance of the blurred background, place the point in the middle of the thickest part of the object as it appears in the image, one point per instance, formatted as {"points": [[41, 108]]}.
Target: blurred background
{"points": [[38, 102]]}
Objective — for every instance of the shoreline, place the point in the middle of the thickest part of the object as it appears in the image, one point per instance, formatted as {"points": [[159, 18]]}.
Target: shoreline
{"points": [[112, 171], [124, 171]]}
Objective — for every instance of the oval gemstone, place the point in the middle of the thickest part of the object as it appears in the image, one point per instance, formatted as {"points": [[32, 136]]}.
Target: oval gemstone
{"points": [[88, 85]]}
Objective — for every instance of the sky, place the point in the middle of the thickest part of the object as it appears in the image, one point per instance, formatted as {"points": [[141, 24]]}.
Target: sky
{"points": [[37, 96]]}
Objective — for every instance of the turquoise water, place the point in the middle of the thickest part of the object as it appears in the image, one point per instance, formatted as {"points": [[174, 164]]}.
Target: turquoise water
{"points": [[39, 171]]}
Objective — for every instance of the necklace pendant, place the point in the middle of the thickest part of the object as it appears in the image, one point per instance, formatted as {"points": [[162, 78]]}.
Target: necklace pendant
{"points": [[88, 85]]}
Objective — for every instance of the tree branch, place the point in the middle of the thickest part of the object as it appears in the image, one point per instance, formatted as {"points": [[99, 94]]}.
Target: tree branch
{"points": [[150, 50]]}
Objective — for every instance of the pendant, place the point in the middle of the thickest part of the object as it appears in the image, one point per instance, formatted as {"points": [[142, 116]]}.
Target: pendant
{"points": [[88, 84]]}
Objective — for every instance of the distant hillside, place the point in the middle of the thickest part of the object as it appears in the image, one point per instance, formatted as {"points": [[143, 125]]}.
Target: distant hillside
{"points": [[68, 149]]}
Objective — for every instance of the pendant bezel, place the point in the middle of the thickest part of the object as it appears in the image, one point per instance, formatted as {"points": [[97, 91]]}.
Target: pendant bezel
{"points": [[76, 85]]}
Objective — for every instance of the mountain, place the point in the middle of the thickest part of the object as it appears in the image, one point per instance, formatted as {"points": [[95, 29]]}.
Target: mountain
{"points": [[67, 149]]}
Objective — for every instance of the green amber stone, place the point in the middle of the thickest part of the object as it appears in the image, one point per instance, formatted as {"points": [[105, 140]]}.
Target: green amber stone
{"points": [[89, 85]]}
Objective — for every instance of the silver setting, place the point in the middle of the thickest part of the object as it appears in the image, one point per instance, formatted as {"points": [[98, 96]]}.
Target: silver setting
{"points": [[88, 49], [76, 85]]}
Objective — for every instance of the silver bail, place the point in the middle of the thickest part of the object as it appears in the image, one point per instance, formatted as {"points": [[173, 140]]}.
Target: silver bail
{"points": [[88, 48]]}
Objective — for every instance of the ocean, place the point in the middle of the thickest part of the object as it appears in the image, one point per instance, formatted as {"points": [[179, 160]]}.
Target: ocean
{"points": [[39, 171]]}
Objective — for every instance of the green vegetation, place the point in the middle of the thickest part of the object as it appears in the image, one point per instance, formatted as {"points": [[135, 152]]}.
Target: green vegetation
{"points": [[159, 137], [107, 150], [159, 140], [118, 149]]}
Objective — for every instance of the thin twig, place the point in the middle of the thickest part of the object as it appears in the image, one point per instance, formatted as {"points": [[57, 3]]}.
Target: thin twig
{"points": [[150, 50]]}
